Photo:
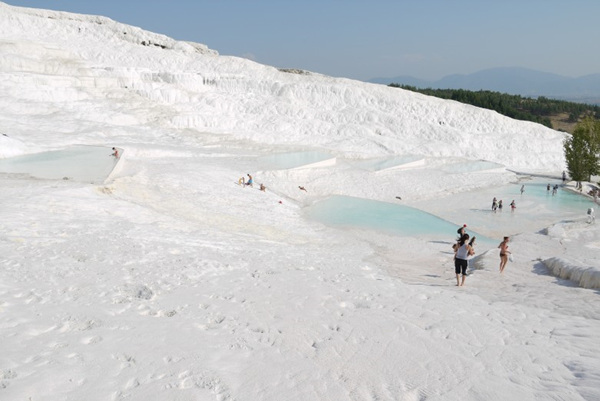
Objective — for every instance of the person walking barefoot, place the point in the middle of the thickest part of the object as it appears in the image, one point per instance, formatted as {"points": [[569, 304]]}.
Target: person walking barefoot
{"points": [[504, 252], [463, 251]]}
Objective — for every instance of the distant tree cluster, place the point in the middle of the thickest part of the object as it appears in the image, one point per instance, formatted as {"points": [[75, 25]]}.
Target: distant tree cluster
{"points": [[520, 108], [582, 150]]}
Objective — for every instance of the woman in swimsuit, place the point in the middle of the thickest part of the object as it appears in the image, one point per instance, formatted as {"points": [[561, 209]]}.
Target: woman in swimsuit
{"points": [[504, 252]]}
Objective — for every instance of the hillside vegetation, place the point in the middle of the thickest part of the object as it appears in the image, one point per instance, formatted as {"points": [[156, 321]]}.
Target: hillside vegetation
{"points": [[557, 114]]}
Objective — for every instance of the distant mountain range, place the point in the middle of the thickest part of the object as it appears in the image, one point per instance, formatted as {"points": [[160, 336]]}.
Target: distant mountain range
{"points": [[515, 81]]}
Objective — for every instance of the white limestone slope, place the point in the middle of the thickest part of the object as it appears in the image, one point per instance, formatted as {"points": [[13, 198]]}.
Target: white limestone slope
{"points": [[62, 62], [172, 282]]}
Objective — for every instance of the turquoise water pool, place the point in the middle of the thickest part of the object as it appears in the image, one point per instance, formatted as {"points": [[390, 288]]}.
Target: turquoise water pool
{"points": [[349, 212], [537, 195], [294, 159], [536, 209], [79, 163]]}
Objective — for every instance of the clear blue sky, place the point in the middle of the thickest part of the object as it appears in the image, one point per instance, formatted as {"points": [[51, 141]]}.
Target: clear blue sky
{"points": [[364, 39]]}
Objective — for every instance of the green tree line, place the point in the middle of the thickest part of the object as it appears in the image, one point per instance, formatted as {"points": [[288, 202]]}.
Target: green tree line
{"points": [[582, 150], [538, 110]]}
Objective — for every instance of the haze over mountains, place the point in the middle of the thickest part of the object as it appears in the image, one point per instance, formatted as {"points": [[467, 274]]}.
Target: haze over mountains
{"points": [[515, 81]]}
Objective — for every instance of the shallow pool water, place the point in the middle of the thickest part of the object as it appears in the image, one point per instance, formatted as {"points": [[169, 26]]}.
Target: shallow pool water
{"points": [[80, 163], [349, 212], [295, 159], [535, 209], [537, 194]]}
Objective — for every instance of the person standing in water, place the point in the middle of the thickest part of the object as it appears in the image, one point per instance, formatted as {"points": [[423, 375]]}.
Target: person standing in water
{"points": [[463, 251], [504, 252], [522, 189], [513, 205]]}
